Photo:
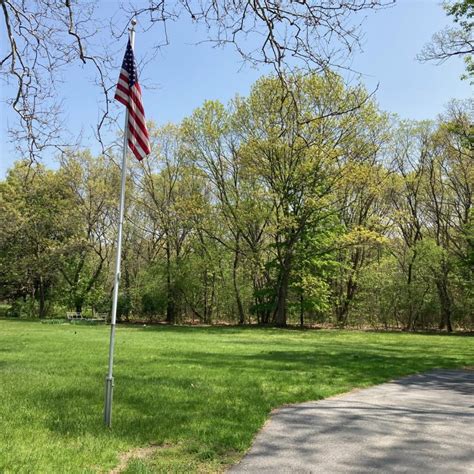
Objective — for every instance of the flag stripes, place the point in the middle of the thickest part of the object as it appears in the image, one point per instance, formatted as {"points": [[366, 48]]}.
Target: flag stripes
{"points": [[129, 93]]}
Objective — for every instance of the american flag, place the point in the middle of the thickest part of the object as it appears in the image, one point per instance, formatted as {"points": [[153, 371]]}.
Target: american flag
{"points": [[129, 93]]}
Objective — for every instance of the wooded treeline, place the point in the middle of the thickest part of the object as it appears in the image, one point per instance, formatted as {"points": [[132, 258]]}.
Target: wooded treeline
{"points": [[297, 204]]}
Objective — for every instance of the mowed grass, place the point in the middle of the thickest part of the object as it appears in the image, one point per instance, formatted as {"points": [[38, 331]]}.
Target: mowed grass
{"points": [[199, 395]]}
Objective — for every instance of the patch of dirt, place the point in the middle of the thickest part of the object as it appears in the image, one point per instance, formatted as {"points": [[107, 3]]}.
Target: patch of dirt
{"points": [[136, 453]]}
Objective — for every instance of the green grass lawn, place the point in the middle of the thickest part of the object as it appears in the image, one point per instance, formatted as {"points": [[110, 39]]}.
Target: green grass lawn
{"points": [[198, 394]]}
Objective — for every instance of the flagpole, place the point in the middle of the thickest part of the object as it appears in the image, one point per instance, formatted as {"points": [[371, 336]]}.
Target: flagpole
{"points": [[109, 380]]}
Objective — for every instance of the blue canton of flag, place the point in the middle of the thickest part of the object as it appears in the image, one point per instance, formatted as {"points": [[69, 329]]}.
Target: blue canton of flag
{"points": [[129, 65]]}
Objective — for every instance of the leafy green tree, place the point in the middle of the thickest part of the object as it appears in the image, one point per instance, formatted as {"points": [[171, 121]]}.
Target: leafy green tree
{"points": [[454, 41], [450, 188], [34, 231], [172, 196], [93, 185], [286, 152], [297, 143], [213, 143], [363, 213], [300, 202], [410, 147], [314, 269]]}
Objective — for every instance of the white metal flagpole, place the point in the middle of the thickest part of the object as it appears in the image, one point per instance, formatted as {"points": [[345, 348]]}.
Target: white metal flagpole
{"points": [[109, 380]]}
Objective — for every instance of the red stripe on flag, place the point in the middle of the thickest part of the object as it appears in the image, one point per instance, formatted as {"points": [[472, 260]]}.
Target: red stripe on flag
{"points": [[137, 100], [137, 146], [139, 120], [135, 151], [138, 138], [131, 97], [121, 99]]}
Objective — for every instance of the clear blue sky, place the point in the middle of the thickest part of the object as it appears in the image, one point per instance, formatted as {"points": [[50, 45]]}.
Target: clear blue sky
{"points": [[183, 75]]}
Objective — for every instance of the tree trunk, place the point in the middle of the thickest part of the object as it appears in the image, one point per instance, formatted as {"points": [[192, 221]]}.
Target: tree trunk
{"points": [[409, 321], [342, 312], [126, 285], [210, 311], [78, 303], [280, 314], [42, 299], [205, 296], [301, 310], [170, 303], [170, 309], [348, 292], [257, 299], [238, 299], [257, 310], [445, 301]]}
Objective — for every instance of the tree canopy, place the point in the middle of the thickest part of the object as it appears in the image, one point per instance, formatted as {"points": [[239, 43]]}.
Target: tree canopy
{"points": [[273, 209], [45, 38], [457, 40]]}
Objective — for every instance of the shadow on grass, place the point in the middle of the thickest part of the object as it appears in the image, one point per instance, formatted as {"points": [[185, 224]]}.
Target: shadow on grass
{"points": [[222, 398], [282, 330], [203, 391]]}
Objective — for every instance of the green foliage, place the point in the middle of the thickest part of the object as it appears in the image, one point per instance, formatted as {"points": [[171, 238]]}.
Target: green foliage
{"points": [[124, 306], [286, 206], [34, 230], [463, 14], [22, 308], [152, 304]]}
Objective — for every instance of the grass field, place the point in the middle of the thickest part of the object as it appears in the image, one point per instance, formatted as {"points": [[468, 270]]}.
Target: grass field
{"points": [[198, 395]]}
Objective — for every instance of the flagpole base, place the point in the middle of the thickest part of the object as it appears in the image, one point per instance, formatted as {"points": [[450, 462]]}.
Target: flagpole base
{"points": [[109, 390]]}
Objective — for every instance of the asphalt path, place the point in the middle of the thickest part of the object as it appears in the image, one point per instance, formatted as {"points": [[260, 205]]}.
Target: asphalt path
{"points": [[418, 424]]}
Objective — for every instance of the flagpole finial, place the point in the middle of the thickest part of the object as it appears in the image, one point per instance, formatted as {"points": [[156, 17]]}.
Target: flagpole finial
{"points": [[131, 30]]}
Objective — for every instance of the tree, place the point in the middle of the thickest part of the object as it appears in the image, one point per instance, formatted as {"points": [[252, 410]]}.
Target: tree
{"points": [[297, 147], [285, 147], [454, 41], [314, 269], [362, 193], [450, 188], [45, 38], [92, 184], [213, 143], [171, 195], [411, 146], [276, 208], [35, 229], [432, 189]]}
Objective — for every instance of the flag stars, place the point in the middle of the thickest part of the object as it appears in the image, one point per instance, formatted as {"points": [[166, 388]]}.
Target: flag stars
{"points": [[129, 65]]}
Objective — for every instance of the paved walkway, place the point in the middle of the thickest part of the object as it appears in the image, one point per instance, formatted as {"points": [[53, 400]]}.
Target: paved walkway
{"points": [[418, 424]]}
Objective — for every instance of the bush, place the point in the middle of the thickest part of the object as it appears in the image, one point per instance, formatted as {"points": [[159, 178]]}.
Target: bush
{"points": [[23, 309]]}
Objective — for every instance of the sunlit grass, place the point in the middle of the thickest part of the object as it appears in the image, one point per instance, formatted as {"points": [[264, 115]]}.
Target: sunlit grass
{"points": [[198, 394]]}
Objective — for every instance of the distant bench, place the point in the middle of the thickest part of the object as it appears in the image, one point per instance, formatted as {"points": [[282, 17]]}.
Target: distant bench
{"points": [[74, 316]]}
